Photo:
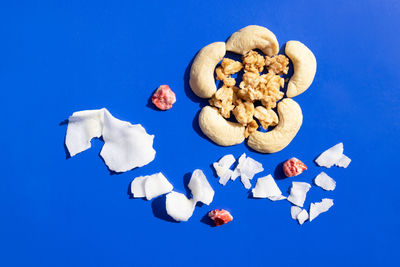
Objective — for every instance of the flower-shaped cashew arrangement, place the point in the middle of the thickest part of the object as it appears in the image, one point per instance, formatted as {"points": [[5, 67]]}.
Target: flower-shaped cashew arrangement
{"points": [[227, 133]]}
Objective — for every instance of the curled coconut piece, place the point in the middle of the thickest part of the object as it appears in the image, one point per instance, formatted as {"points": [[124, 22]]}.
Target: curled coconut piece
{"points": [[290, 120], [150, 186], [126, 146], [253, 37], [304, 65], [201, 188], [222, 168], [218, 129], [298, 193], [325, 182], [330, 156], [202, 71], [266, 187]]}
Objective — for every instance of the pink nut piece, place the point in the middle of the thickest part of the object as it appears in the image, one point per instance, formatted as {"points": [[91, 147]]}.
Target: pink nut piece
{"points": [[220, 217], [163, 98], [293, 167]]}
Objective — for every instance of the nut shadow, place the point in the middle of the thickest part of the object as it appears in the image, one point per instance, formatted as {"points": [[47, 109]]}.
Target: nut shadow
{"points": [[278, 172], [159, 209], [207, 220]]}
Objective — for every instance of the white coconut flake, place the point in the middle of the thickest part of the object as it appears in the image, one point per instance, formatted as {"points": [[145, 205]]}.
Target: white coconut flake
{"points": [[325, 182], [156, 185], [222, 168], [266, 187], [201, 188], [320, 207], [236, 171], [126, 146], [329, 157], [178, 206], [302, 217], [248, 169], [137, 186], [298, 193], [294, 212], [343, 162]]}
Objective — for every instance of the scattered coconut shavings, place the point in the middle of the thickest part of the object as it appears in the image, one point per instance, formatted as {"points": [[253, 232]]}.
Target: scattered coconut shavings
{"points": [[329, 157], [126, 146], [220, 217], [298, 193], [179, 207], [294, 212], [320, 207], [248, 169], [222, 168], [343, 162], [266, 187], [201, 188], [236, 171], [325, 182], [302, 217], [150, 186]]}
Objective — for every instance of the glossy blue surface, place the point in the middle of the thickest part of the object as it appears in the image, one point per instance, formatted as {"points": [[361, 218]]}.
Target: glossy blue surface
{"points": [[57, 57]]}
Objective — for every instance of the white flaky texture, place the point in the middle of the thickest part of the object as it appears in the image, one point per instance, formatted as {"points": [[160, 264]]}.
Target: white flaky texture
{"points": [[218, 129], [253, 37], [266, 187], [331, 156], [298, 193], [320, 207], [325, 182], [290, 120], [304, 65], [202, 79], [126, 146], [248, 169], [236, 171], [201, 188], [179, 207], [222, 168], [302, 216], [150, 186], [343, 162], [294, 211]]}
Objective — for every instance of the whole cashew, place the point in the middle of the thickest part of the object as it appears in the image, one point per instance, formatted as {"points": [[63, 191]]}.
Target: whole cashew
{"points": [[218, 129], [253, 37], [290, 120], [305, 66], [202, 72]]}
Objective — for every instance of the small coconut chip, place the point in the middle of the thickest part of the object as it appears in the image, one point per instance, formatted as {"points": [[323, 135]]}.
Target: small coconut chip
{"points": [[294, 211], [179, 207], [320, 207], [201, 188], [298, 193], [222, 168], [266, 187], [329, 157], [150, 186], [126, 146], [236, 171], [325, 182], [343, 162], [302, 217]]}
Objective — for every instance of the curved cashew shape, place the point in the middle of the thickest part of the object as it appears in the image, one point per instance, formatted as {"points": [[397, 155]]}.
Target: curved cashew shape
{"points": [[290, 120], [253, 37], [305, 66], [202, 72], [219, 130]]}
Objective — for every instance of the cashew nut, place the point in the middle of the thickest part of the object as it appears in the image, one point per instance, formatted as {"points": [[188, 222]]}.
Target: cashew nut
{"points": [[305, 66], [219, 130], [253, 37], [202, 72], [290, 120]]}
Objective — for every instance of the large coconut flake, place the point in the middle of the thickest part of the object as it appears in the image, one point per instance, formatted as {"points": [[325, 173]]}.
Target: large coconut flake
{"points": [[137, 186], [179, 207], [329, 157], [325, 182], [126, 146], [343, 162], [298, 193], [248, 169], [157, 185], [320, 207], [302, 217], [222, 168], [201, 188], [266, 187]]}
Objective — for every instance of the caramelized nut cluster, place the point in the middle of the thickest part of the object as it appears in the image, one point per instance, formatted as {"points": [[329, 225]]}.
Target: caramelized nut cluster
{"points": [[254, 87]]}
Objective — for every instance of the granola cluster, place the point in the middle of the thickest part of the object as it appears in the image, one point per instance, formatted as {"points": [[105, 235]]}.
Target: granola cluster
{"points": [[263, 88]]}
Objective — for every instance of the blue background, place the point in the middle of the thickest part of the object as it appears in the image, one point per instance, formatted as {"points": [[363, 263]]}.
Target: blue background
{"points": [[57, 57]]}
